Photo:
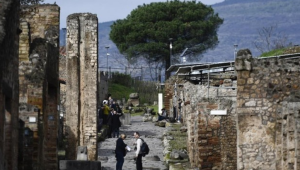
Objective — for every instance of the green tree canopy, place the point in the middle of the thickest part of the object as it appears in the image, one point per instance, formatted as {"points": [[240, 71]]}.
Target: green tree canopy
{"points": [[147, 29]]}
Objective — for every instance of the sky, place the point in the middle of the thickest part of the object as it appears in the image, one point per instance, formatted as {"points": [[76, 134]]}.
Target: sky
{"points": [[106, 10]]}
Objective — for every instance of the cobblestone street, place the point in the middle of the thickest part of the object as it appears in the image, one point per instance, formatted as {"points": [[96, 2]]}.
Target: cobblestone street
{"points": [[150, 133]]}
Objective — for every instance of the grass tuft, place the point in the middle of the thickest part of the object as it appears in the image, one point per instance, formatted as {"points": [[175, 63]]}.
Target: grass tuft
{"points": [[273, 53]]}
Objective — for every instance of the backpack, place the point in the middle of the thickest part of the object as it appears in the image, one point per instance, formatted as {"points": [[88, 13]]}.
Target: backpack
{"points": [[144, 148]]}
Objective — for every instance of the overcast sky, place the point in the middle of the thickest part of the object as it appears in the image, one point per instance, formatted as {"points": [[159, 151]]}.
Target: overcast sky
{"points": [[106, 10]]}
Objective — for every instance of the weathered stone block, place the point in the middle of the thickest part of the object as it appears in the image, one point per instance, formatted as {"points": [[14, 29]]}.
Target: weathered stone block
{"points": [[227, 82], [79, 165], [251, 103], [134, 96], [243, 60], [134, 102], [125, 119]]}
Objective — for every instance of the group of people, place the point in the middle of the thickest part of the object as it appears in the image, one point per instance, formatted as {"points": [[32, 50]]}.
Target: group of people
{"points": [[122, 148], [110, 113]]}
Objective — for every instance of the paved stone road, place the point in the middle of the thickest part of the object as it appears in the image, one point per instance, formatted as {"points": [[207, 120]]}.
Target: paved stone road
{"points": [[150, 133]]}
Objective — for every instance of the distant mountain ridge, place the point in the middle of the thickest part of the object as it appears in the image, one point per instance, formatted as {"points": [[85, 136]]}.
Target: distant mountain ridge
{"points": [[242, 20]]}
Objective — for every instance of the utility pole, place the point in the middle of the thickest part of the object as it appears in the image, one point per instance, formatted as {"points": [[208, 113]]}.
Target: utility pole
{"points": [[107, 47], [171, 39], [170, 60], [235, 50]]}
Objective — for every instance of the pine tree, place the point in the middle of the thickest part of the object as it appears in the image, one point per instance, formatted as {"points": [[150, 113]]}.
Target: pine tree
{"points": [[147, 30]]}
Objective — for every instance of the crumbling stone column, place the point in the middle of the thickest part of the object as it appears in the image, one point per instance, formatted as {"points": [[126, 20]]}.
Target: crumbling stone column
{"points": [[38, 73], [81, 105], [9, 86]]}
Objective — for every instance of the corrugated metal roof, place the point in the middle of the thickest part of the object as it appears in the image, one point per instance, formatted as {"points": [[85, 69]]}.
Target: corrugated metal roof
{"points": [[186, 69]]}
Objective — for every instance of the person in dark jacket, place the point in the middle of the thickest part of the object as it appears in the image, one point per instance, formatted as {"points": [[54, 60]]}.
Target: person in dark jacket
{"points": [[163, 115], [118, 108], [109, 123], [120, 151], [116, 124]]}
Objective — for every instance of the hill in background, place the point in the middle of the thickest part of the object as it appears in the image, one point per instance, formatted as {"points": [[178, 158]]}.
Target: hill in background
{"points": [[242, 20]]}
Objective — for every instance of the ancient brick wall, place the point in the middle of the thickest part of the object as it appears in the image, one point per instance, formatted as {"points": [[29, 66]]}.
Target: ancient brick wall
{"points": [[24, 42], [268, 112], [9, 93], [211, 139], [81, 104], [38, 73], [170, 92]]}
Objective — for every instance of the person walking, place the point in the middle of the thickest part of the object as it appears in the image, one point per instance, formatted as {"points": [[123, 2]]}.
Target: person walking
{"points": [[138, 156], [115, 123], [120, 151]]}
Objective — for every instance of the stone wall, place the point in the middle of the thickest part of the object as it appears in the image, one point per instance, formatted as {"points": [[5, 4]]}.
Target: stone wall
{"points": [[268, 112], [261, 128], [170, 93], [82, 67], [39, 89], [211, 139], [9, 93]]}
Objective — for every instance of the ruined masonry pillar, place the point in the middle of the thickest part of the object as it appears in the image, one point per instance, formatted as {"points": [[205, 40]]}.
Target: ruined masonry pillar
{"points": [[81, 94], [243, 67]]}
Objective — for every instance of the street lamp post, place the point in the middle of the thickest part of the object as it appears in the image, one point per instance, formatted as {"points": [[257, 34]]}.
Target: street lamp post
{"points": [[235, 48], [171, 39], [169, 62], [107, 47]]}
